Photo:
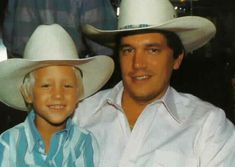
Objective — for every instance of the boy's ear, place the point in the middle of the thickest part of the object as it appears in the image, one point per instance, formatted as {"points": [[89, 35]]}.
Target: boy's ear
{"points": [[26, 95]]}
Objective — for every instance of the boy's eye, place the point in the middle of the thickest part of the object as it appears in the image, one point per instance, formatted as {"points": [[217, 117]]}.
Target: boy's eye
{"points": [[45, 85], [68, 86]]}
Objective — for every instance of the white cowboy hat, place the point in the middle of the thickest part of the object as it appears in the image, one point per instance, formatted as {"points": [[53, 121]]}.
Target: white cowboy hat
{"points": [[136, 15], [51, 45]]}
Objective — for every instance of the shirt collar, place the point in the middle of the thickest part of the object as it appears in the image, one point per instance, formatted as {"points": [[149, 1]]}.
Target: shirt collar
{"points": [[33, 136], [114, 97], [168, 100], [32, 133]]}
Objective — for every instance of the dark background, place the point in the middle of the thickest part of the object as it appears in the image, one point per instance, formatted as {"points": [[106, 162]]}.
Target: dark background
{"points": [[205, 73]]}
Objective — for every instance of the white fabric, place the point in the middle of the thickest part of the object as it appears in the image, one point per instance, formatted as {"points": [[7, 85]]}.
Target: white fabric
{"points": [[179, 130], [136, 15], [3, 51]]}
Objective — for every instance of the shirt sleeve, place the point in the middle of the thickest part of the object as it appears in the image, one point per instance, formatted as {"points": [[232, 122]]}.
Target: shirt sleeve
{"points": [[217, 145], [101, 15], [91, 151], [96, 150], [4, 151]]}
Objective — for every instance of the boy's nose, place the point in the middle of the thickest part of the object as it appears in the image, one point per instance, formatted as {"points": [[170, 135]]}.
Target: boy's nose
{"points": [[57, 93]]}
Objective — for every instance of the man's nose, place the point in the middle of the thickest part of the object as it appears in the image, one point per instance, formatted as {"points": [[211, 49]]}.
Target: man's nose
{"points": [[139, 60]]}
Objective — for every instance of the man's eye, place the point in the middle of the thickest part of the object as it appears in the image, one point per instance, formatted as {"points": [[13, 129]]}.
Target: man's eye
{"points": [[127, 50], [153, 50]]}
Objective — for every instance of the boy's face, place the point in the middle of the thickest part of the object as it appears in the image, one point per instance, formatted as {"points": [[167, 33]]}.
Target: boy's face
{"points": [[55, 94]]}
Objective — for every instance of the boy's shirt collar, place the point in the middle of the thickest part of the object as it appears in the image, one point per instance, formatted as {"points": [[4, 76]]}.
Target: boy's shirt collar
{"points": [[34, 138]]}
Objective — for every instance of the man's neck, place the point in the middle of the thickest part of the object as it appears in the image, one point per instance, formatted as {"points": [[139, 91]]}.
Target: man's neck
{"points": [[132, 108]]}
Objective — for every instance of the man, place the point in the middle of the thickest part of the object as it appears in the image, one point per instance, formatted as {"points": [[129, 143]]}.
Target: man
{"points": [[143, 121], [22, 17]]}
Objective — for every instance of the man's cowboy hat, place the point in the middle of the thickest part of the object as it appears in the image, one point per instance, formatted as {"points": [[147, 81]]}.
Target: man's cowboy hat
{"points": [[51, 45], [137, 15]]}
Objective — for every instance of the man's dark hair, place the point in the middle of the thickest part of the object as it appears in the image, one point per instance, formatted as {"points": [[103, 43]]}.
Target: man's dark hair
{"points": [[173, 40]]}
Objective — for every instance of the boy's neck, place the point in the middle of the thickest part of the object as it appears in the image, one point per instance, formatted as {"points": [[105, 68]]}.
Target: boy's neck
{"points": [[47, 130]]}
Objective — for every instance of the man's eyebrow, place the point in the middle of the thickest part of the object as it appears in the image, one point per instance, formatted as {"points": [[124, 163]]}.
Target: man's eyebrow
{"points": [[153, 44], [124, 45]]}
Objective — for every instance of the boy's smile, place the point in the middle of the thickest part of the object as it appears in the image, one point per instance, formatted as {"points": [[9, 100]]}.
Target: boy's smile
{"points": [[55, 94]]}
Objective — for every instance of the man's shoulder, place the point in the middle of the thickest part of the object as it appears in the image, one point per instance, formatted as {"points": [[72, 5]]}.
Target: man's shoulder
{"points": [[197, 103], [96, 98], [91, 104], [195, 107]]}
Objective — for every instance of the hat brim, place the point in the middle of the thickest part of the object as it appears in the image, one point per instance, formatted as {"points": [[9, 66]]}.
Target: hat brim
{"points": [[96, 72], [193, 31]]}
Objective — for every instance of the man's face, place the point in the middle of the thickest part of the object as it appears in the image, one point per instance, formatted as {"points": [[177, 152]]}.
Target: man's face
{"points": [[146, 63], [55, 94]]}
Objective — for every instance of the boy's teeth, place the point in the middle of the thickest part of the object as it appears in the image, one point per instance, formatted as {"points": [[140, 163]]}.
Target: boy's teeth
{"points": [[56, 106]]}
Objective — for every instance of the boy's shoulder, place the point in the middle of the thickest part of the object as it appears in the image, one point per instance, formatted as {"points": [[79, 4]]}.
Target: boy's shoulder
{"points": [[80, 136], [12, 133], [80, 132]]}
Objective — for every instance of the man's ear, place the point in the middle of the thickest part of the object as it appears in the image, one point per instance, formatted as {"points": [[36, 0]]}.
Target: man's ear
{"points": [[178, 61], [27, 96]]}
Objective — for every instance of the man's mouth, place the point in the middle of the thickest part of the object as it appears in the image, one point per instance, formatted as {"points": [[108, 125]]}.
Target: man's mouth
{"points": [[142, 77]]}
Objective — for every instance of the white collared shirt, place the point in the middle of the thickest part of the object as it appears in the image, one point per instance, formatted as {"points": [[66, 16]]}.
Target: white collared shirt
{"points": [[178, 130]]}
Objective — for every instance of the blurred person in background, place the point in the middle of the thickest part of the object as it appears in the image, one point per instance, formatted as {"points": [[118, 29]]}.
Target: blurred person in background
{"points": [[23, 16]]}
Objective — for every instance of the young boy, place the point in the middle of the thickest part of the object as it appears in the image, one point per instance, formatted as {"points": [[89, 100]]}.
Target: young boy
{"points": [[49, 82]]}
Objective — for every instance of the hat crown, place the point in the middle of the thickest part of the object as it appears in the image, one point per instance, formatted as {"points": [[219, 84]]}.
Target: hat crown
{"points": [[50, 43], [144, 13]]}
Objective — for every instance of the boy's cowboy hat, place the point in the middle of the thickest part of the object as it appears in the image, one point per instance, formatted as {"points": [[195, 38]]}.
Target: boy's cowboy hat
{"points": [[50, 45], [155, 14]]}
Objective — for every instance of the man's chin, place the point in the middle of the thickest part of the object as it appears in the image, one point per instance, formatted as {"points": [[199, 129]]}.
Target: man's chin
{"points": [[143, 97]]}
